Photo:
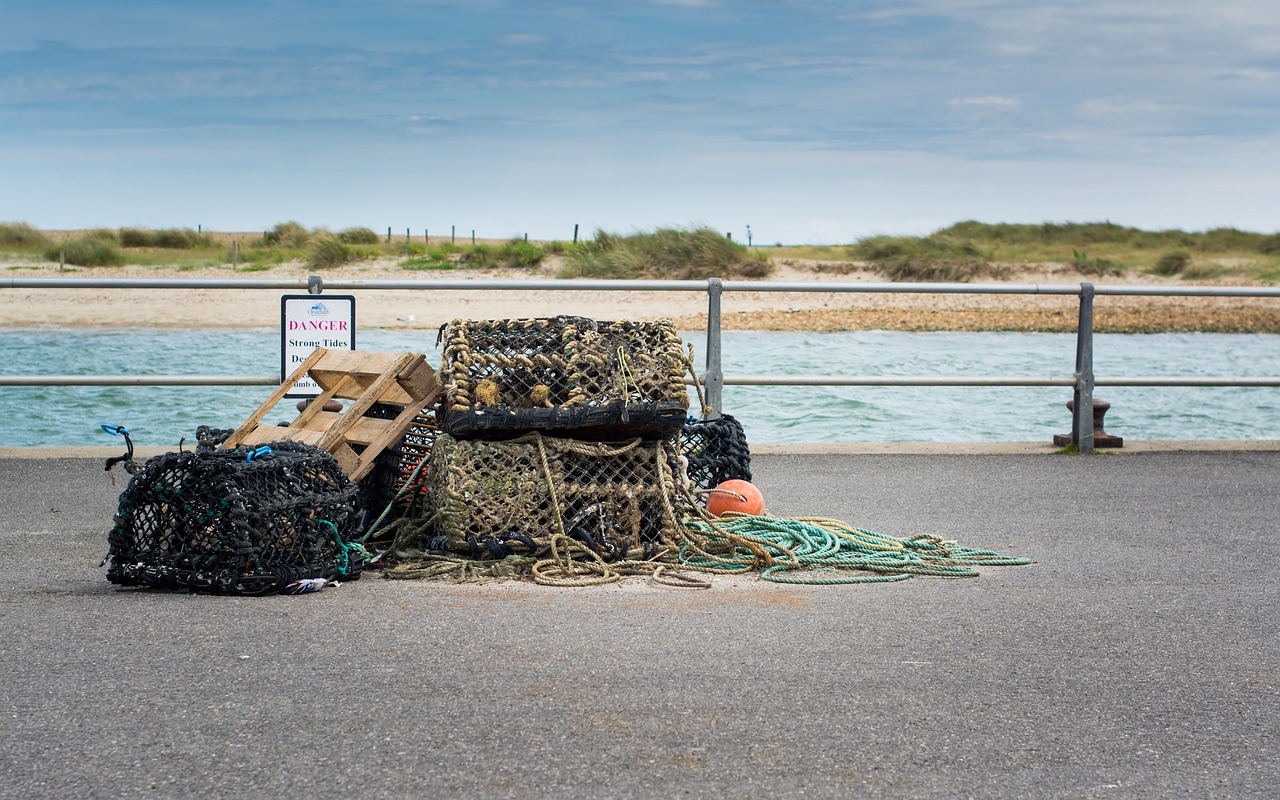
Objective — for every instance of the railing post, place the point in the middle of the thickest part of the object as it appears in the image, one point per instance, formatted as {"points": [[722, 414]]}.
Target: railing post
{"points": [[713, 378], [1082, 410]]}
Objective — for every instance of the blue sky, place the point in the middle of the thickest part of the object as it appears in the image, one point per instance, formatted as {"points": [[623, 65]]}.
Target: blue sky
{"points": [[811, 122]]}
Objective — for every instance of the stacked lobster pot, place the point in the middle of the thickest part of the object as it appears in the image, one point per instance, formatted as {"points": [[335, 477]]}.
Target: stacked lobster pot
{"points": [[560, 426]]}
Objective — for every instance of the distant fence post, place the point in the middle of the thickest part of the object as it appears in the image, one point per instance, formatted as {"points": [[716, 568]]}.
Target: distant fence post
{"points": [[1082, 396], [713, 378], [453, 230], [388, 234], [473, 237], [235, 254], [575, 233]]}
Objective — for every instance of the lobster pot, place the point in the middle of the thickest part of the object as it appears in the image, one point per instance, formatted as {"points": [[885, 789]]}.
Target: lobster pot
{"points": [[414, 453], [495, 498], [716, 450], [213, 521], [569, 376], [396, 465]]}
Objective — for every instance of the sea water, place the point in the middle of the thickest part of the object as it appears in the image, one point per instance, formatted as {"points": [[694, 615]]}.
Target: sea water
{"points": [[163, 415]]}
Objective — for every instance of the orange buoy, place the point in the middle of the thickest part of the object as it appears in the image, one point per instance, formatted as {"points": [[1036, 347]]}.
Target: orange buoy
{"points": [[735, 495]]}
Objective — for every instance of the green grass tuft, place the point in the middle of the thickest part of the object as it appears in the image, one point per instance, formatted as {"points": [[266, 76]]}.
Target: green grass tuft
{"points": [[359, 236], [1174, 262], [287, 234], [87, 252], [167, 239], [512, 254], [419, 263], [22, 236], [668, 253], [327, 251], [938, 257], [1094, 266]]}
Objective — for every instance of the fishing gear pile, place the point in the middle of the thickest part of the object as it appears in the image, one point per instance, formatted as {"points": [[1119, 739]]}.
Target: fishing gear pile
{"points": [[558, 455], [276, 518], [566, 376]]}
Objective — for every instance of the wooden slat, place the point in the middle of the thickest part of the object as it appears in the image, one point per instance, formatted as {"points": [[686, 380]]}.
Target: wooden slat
{"points": [[364, 378], [392, 433], [366, 400], [276, 396], [362, 431], [347, 458]]}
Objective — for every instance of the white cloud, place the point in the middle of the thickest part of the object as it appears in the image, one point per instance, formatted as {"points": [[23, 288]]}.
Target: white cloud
{"points": [[525, 38], [989, 100]]}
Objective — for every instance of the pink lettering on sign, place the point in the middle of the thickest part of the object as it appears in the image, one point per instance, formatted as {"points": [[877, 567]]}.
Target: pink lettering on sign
{"points": [[317, 325]]}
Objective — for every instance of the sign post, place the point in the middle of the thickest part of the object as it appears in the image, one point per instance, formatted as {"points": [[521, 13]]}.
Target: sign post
{"points": [[308, 321]]}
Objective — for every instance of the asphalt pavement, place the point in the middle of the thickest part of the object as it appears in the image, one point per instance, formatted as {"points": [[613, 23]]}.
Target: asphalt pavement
{"points": [[1136, 656]]}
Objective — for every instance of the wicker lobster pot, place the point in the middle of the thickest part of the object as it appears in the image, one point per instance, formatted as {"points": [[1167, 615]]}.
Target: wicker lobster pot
{"points": [[496, 498], [212, 521], [568, 376]]}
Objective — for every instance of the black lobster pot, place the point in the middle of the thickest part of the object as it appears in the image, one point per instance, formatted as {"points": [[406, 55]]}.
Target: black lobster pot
{"points": [[716, 450], [236, 522]]}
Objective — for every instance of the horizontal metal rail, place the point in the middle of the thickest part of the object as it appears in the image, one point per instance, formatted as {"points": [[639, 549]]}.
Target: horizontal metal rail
{"points": [[1082, 381], [582, 285], [139, 380], [729, 380]]}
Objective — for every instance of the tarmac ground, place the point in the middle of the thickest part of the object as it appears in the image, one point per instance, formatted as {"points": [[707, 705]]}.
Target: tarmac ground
{"points": [[1136, 656]]}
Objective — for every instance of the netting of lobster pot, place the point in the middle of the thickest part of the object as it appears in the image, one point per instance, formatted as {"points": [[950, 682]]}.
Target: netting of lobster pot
{"points": [[228, 522], [399, 470], [563, 375], [492, 499], [716, 450]]}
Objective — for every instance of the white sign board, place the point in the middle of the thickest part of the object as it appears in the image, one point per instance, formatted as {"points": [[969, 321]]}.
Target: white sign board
{"points": [[308, 321]]}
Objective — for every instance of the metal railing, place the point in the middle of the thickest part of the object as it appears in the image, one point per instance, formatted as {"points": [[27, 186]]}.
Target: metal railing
{"points": [[1082, 380]]}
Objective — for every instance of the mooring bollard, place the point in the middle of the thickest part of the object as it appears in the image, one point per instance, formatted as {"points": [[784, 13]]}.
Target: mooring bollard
{"points": [[1100, 437], [329, 405]]}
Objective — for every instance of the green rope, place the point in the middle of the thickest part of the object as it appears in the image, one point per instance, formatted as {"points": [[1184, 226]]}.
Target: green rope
{"points": [[413, 476], [345, 550], [824, 551]]}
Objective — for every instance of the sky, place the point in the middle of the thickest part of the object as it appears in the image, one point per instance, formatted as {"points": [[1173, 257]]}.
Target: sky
{"points": [[794, 122]]}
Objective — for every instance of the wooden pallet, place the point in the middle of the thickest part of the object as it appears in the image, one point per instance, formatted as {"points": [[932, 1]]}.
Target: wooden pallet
{"points": [[355, 440]]}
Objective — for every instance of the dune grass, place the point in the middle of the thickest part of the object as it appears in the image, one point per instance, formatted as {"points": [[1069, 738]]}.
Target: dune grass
{"points": [[166, 239], [87, 251], [21, 236], [962, 252], [1106, 248], [937, 257], [668, 253]]}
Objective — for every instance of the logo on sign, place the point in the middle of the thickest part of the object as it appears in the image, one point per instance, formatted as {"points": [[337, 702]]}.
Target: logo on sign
{"points": [[318, 309]]}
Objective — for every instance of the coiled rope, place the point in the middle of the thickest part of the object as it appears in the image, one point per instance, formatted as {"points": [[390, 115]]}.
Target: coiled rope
{"points": [[818, 550]]}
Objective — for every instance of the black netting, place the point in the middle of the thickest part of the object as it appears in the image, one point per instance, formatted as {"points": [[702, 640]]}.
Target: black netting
{"points": [[395, 465], [566, 375], [490, 499], [716, 450], [413, 455], [220, 522]]}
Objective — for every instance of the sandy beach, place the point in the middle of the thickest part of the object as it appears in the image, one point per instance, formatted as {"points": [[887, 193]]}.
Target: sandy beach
{"points": [[817, 311]]}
